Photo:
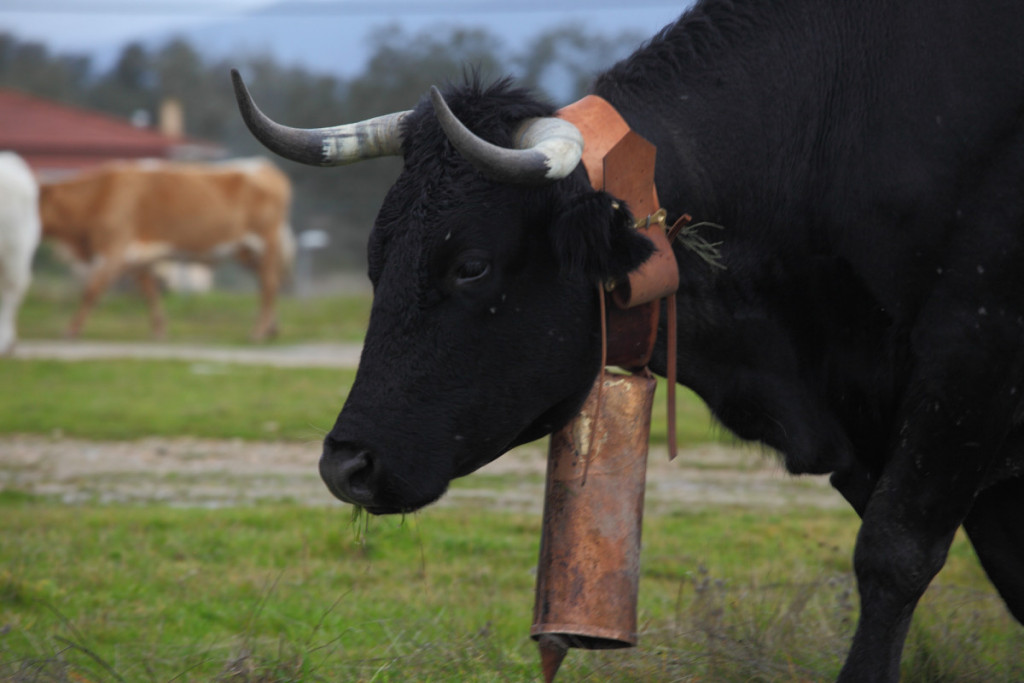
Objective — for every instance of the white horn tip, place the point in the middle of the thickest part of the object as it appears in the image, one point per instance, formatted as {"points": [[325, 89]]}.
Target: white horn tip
{"points": [[559, 141]]}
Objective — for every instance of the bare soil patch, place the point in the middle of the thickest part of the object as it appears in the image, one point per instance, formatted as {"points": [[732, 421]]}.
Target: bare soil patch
{"points": [[206, 472], [328, 355]]}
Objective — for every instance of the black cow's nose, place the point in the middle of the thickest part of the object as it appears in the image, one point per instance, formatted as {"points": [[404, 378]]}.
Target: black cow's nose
{"points": [[348, 472]]}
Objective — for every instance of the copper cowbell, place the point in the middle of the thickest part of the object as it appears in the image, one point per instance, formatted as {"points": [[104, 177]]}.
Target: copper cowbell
{"points": [[589, 568]]}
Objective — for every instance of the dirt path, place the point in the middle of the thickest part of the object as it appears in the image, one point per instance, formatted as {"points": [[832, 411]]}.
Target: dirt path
{"points": [[295, 355], [205, 472]]}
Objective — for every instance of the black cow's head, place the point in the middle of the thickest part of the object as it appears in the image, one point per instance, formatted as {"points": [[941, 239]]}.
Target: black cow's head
{"points": [[485, 260]]}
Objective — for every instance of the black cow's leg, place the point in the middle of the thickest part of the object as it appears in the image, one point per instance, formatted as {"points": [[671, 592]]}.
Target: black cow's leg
{"points": [[995, 526], [900, 548]]}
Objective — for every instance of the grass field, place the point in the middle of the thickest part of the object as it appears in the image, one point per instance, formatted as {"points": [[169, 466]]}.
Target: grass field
{"points": [[289, 592], [129, 399], [221, 317]]}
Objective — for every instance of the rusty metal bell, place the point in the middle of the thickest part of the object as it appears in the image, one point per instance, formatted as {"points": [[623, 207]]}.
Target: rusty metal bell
{"points": [[589, 568]]}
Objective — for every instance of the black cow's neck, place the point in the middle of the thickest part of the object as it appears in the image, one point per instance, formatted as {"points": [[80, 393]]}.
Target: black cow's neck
{"points": [[706, 90], [730, 152]]}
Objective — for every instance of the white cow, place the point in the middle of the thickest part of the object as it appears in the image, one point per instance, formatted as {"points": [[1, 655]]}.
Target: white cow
{"points": [[19, 237]]}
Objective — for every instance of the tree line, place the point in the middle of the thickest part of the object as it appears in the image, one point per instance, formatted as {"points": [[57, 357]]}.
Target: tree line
{"points": [[559, 64]]}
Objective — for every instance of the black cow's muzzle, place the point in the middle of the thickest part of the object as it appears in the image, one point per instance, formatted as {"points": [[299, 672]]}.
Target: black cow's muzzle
{"points": [[351, 474]]}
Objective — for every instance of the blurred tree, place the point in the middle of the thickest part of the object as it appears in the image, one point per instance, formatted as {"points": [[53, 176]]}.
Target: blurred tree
{"points": [[29, 66], [403, 67], [564, 61], [204, 93], [129, 86]]}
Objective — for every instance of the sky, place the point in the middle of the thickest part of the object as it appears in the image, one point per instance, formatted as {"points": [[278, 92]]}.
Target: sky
{"points": [[328, 35]]}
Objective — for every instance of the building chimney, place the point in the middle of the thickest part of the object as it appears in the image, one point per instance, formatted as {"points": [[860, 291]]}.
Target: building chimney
{"points": [[172, 118]]}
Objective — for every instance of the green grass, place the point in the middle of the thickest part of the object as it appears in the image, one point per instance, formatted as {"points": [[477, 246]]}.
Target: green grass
{"points": [[130, 399], [222, 317], [291, 593]]}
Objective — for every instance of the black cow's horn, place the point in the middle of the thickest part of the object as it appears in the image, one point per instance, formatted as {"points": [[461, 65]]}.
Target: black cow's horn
{"points": [[332, 146], [546, 149]]}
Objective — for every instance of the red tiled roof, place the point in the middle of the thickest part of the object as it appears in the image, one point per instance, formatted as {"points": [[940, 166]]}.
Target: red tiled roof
{"points": [[53, 136]]}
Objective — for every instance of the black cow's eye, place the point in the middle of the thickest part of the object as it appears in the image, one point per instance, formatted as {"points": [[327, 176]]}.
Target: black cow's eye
{"points": [[471, 270]]}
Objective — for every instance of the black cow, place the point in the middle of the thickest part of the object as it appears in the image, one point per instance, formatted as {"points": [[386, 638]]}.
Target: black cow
{"points": [[867, 162]]}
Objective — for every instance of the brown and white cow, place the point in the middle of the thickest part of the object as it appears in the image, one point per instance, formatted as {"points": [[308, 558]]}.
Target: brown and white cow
{"points": [[125, 216]]}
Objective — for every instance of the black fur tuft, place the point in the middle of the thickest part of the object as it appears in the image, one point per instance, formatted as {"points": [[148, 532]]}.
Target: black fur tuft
{"points": [[593, 238]]}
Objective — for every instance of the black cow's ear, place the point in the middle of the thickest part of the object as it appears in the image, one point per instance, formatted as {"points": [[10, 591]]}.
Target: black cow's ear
{"points": [[593, 237]]}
